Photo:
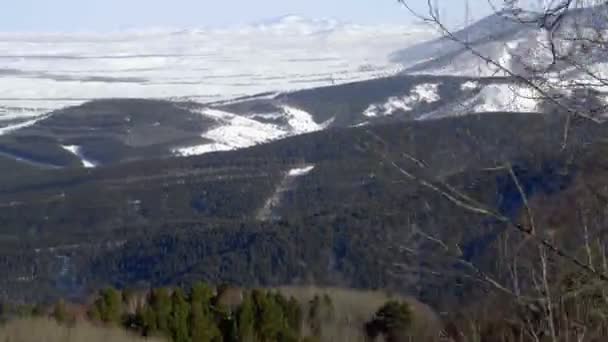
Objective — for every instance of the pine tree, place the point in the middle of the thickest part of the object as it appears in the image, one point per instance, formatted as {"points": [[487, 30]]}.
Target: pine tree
{"points": [[269, 317], [320, 312], [293, 315], [179, 317], [110, 306], [202, 324], [161, 305], [229, 329], [246, 320], [147, 319], [392, 321], [314, 316], [201, 293]]}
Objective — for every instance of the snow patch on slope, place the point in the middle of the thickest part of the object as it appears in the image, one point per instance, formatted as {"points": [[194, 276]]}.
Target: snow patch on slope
{"points": [[16, 127], [235, 131], [286, 184], [427, 93], [77, 151], [507, 98], [469, 85], [21, 113], [301, 121], [300, 171]]}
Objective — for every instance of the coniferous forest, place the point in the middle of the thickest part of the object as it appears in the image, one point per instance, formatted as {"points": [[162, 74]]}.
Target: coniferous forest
{"points": [[204, 313]]}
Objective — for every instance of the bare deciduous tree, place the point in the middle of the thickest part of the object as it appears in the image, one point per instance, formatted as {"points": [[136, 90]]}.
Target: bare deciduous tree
{"points": [[559, 61], [565, 65]]}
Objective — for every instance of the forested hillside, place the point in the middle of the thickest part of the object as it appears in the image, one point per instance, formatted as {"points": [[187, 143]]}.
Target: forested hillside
{"points": [[328, 208]]}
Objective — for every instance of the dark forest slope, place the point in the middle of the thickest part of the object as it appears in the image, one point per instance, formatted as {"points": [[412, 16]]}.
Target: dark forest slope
{"points": [[353, 220]]}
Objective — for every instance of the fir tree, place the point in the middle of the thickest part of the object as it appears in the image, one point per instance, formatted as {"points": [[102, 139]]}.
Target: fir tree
{"points": [[202, 323], [180, 315], [161, 304], [246, 320]]}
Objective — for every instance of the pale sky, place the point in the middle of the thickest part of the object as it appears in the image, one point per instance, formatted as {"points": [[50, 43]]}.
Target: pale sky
{"points": [[111, 15]]}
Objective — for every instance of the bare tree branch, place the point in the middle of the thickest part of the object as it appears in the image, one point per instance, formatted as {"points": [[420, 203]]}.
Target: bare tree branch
{"points": [[471, 205], [551, 21]]}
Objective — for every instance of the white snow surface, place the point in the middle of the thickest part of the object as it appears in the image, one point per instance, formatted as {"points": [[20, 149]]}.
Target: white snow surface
{"points": [[300, 171], [469, 85], [14, 127], [40, 72], [232, 132], [527, 49], [77, 151], [235, 131], [507, 98], [427, 92], [287, 183], [301, 121]]}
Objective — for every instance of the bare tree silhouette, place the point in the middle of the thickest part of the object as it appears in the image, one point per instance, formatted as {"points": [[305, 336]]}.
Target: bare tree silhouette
{"points": [[566, 68]]}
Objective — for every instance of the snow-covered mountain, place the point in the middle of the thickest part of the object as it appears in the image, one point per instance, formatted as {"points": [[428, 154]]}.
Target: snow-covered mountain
{"points": [[509, 45], [516, 42], [109, 131], [309, 75]]}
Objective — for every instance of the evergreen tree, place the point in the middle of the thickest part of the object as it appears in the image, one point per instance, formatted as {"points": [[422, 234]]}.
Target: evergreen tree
{"points": [[314, 316], [161, 305], [201, 293], [246, 319], [269, 317], [147, 319], [392, 321], [320, 312], [109, 306], [287, 335], [328, 307], [202, 324], [229, 329], [179, 317], [293, 315]]}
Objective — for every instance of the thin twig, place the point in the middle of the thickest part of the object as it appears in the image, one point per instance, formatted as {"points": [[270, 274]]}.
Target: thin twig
{"points": [[477, 208]]}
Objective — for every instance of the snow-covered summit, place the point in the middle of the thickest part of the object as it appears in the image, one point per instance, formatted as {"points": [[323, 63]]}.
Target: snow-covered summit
{"points": [[513, 41], [297, 24]]}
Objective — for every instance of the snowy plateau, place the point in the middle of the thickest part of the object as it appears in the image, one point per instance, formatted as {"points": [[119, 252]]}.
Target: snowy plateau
{"points": [[40, 72]]}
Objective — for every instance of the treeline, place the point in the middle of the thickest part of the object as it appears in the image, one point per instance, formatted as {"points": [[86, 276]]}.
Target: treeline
{"points": [[203, 313], [229, 314]]}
